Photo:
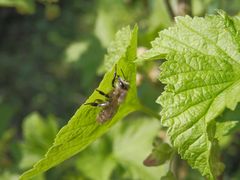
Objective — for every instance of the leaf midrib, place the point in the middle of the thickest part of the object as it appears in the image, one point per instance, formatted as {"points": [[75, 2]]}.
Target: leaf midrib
{"points": [[197, 87], [209, 41], [191, 124], [190, 72], [182, 43]]}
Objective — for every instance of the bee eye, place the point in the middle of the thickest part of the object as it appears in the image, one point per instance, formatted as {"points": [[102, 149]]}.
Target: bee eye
{"points": [[123, 85]]}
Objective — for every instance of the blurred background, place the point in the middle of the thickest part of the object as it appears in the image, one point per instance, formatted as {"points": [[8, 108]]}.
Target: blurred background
{"points": [[51, 52]]}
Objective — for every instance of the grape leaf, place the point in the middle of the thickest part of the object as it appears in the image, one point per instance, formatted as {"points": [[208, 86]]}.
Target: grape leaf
{"points": [[82, 129], [202, 77], [117, 151]]}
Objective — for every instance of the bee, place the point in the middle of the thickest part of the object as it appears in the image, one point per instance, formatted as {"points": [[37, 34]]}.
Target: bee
{"points": [[113, 99]]}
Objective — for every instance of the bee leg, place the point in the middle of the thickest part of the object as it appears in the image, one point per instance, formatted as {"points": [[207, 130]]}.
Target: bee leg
{"points": [[98, 102], [103, 104], [102, 93], [123, 74]]}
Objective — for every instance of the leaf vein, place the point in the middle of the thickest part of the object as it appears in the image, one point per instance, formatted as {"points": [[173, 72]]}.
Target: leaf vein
{"points": [[209, 41]]}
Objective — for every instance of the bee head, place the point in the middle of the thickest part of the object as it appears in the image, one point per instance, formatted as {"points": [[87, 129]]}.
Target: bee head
{"points": [[123, 84]]}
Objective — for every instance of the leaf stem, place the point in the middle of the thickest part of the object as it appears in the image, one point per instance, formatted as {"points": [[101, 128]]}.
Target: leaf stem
{"points": [[148, 111]]}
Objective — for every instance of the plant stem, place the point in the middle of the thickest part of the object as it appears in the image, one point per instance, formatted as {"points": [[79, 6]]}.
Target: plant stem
{"points": [[148, 111]]}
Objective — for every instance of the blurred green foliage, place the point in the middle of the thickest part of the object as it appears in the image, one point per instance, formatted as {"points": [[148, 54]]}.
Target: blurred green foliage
{"points": [[50, 55], [38, 136], [113, 156]]}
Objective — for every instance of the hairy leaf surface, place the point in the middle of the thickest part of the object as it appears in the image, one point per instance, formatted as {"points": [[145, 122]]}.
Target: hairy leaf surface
{"points": [[82, 129], [202, 77]]}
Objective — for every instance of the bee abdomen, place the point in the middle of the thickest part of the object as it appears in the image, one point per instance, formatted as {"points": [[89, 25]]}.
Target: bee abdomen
{"points": [[106, 115]]}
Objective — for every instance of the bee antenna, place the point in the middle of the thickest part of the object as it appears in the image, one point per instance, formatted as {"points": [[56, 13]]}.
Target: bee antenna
{"points": [[123, 74], [114, 77]]}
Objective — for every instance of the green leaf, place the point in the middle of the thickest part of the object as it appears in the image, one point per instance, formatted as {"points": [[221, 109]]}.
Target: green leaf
{"points": [[8, 175], [76, 50], [102, 163], [227, 123], [117, 155], [168, 176], [130, 152], [38, 134], [82, 129], [159, 9], [118, 49], [159, 155], [108, 22], [202, 77]]}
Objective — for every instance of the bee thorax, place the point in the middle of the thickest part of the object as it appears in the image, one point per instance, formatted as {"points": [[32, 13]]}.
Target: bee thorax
{"points": [[122, 97]]}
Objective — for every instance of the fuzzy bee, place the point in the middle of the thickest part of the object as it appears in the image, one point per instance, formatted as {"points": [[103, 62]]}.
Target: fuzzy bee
{"points": [[113, 99]]}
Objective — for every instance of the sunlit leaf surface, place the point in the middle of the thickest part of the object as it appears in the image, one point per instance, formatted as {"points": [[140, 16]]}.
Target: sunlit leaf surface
{"points": [[202, 77], [83, 129]]}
